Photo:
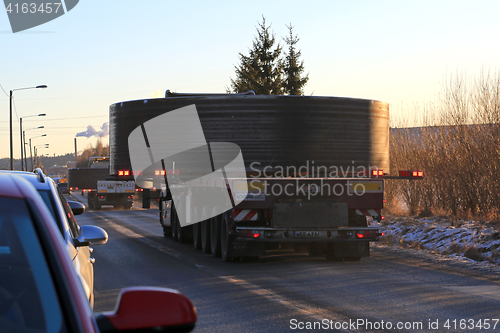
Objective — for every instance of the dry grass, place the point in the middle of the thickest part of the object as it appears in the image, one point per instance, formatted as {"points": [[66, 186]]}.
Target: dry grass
{"points": [[473, 253], [458, 150]]}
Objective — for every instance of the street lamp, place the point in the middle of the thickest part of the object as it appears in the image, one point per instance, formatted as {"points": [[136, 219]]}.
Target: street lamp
{"points": [[24, 135], [45, 146], [31, 154], [11, 140], [23, 143]]}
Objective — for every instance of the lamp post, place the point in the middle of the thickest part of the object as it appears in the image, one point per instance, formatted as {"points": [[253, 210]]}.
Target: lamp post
{"points": [[45, 146], [11, 139], [24, 134], [31, 154], [23, 141]]}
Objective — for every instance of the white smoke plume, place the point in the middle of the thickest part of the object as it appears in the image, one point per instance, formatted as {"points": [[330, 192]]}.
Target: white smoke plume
{"points": [[91, 131]]}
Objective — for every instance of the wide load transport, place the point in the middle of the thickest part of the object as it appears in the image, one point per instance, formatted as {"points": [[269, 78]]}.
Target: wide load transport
{"points": [[313, 170]]}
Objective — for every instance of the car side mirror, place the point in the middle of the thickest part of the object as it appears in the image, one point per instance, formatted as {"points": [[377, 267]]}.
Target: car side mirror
{"points": [[77, 207], [149, 309], [91, 235]]}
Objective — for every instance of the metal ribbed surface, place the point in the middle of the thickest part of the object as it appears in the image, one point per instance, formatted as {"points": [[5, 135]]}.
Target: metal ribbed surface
{"points": [[277, 131]]}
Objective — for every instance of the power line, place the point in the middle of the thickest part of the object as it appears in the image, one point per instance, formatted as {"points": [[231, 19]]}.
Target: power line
{"points": [[4, 91]]}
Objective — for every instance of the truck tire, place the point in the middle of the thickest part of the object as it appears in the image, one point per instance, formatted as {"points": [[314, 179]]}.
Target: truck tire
{"points": [[182, 233], [215, 236], [173, 222], [97, 205], [226, 242], [205, 236], [197, 236], [167, 231]]}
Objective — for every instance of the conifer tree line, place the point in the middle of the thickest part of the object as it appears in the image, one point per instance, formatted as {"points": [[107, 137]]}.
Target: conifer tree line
{"points": [[268, 69]]}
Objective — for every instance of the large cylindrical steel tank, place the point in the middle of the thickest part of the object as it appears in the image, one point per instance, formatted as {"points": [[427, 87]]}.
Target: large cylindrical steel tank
{"points": [[272, 131]]}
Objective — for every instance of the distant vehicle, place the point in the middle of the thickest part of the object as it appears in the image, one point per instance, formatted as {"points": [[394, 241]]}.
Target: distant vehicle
{"points": [[39, 287], [63, 187], [101, 189], [63, 213]]}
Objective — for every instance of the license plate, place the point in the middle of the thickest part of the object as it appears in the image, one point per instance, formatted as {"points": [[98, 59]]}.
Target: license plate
{"points": [[306, 234]]}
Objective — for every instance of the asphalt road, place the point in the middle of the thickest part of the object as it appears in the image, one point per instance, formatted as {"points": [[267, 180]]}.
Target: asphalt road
{"points": [[392, 291]]}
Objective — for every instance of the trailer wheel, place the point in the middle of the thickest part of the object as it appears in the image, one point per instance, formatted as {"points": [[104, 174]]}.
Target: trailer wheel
{"points": [[97, 205], [182, 233], [215, 236], [197, 236], [173, 222], [225, 240], [205, 236], [167, 231]]}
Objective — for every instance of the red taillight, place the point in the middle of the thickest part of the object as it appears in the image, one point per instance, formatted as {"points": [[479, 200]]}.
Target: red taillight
{"points": [[249, 233], [377, 173], [367, 233], [126, 173], [120, 173], [71, 188], [382, 218], [404, 173], [411, 174], [157, 172]]}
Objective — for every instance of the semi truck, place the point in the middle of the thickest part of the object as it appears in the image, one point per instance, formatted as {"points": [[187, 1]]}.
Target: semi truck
{"points": [[100, 187], [314, 172]]}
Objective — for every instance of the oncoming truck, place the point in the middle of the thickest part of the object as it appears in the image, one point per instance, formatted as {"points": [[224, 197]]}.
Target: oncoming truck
{"points": [[100, 187], [314, 170]]}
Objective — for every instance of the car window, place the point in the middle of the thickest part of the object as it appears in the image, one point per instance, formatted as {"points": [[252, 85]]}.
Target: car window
{"points": [[28, 298], [73, 226], [49, 202]]}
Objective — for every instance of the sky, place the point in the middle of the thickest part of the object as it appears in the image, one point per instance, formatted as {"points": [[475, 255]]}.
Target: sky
{"points": [[103, 52]]}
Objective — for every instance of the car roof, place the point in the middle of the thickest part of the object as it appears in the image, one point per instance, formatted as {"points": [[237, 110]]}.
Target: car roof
{"points": [[38, 180]]}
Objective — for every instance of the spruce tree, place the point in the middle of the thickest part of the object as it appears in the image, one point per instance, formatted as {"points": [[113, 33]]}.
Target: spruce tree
{"points": [[262, 70], [294, 82]]}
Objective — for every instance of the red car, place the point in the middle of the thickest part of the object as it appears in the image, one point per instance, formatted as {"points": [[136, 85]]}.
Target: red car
{"points": [[39, 288]]}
